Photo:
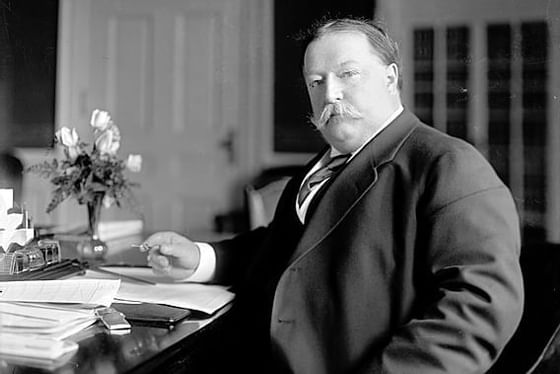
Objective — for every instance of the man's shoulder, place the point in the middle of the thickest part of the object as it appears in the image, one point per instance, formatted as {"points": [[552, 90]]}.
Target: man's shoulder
{"points": [[429, 149], [427, 144]]}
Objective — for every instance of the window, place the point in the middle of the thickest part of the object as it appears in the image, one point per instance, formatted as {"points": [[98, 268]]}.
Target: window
{"points": [[515, 74]]}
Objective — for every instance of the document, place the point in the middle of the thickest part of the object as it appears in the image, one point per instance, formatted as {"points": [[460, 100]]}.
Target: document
{"points": [[202, 297], [40, 316], [36, 316], [195, 296], [82, 291], [30, 328], [53, 321]]}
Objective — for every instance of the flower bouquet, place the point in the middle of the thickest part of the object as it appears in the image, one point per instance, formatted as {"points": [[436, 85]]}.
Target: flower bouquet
{"points": [[93, 175]]}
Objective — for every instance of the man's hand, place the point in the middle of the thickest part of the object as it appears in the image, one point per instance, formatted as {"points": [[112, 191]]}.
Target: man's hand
{"points": [[172, 255]]}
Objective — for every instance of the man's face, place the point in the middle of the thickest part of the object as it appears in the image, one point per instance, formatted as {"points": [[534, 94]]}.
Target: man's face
{"points": [[342, 72]]}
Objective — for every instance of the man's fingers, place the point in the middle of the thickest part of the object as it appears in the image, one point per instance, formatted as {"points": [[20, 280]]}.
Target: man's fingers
{"points": [[169, 251], [158, 261], [164, 266], [162, 237]]}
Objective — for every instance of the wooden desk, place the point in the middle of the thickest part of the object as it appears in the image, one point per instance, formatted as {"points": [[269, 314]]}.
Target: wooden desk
{"points": [[189, 346]]}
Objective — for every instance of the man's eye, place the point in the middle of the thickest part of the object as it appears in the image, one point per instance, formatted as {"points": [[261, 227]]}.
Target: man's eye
{"points": [[348, 74], [314, 83]]}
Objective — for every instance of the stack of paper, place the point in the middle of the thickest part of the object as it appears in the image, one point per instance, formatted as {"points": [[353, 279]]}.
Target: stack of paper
{"points": [[47, 320], [92, 292], [44, 313]]}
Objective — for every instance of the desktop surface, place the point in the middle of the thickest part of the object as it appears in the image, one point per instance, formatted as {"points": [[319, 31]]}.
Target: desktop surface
{"points": [[188, 343]]}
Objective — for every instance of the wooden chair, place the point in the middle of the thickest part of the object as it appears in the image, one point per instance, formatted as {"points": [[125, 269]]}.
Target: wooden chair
{"points": [[263, 193]]}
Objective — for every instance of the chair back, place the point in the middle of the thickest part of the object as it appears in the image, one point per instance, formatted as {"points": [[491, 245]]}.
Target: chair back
{"points": [[261, 203], [263, 193], [535, 337]]}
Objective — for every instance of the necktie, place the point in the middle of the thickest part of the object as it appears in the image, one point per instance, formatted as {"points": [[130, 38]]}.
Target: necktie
{"points": [[326, 171]]}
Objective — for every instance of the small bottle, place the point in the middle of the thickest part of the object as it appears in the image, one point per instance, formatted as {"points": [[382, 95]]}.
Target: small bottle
{"points": [[26, 224]]}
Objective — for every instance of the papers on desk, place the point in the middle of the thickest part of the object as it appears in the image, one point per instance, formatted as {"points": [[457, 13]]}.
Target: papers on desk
{"points": [[46, 320], [83, 291], [42, 313], [34, 334], [202, 297]]}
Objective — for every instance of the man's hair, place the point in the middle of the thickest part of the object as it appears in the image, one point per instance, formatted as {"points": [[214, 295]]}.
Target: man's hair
{"points": [[382, 45]]}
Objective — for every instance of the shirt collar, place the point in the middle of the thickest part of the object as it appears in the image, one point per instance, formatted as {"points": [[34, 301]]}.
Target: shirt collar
{"points": [[334, 152]]}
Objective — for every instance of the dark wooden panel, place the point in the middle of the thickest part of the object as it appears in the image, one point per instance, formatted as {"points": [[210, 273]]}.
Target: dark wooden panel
{"points": [[292, 130], [28, 36]]}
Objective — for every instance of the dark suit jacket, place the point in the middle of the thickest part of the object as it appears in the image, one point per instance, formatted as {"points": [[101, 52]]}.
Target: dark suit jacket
{"points": [[408, 262]]}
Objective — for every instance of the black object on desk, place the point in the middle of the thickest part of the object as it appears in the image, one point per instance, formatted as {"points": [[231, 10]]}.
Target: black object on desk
{"points": [[152, 314]]}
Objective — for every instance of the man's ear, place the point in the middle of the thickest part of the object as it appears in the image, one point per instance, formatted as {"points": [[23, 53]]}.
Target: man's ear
{"points": [[392, 78]]}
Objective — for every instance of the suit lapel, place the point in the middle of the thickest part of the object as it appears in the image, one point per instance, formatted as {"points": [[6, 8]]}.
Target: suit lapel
{"points": [[345, 189]]}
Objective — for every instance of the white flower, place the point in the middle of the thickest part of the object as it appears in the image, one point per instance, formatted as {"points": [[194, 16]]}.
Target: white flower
{"points": [[73, 152], [134, 163], [109, 141], [100, 120], [108, 201], [67, 137]]}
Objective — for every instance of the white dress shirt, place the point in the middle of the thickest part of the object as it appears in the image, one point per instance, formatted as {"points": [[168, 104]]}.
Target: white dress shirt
{"points": [[207, 265]]}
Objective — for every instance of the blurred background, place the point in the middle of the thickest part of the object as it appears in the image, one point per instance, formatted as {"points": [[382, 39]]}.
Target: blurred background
{"points": [[210, 93]]}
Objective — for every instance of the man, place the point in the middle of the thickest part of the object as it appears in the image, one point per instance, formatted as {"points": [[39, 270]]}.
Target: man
{"points": [[403, 258]]}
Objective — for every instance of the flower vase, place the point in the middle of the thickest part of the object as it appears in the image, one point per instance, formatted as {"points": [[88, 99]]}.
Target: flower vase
{"points": [[91, 247]]}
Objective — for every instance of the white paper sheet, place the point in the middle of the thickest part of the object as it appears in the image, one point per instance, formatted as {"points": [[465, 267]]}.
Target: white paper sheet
{"points": [[203, 297], [42, 316], [56, 321], [82, 291], [59, 332]]}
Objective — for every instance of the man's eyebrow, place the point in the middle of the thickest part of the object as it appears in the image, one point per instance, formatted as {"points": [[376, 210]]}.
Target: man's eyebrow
{"points": [[348, 62], [339, 66]]}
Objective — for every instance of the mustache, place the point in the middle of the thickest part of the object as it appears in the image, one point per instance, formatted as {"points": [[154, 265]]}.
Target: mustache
{"points": [[339, 108]]}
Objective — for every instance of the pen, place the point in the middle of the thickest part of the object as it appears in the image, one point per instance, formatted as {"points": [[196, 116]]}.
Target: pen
{"points": [[144, 247], [124, 265], [130, 277]]}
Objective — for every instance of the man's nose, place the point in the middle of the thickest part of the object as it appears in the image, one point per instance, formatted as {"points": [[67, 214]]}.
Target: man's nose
{"points": [[333, 91]]}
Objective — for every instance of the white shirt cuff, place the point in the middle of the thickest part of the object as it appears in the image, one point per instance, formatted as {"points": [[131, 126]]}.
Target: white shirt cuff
{"points": [[206, 266]]}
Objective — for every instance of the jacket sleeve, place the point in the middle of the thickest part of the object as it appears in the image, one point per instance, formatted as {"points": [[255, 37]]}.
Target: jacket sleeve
{"points": [[469, 246], [234, 255]]}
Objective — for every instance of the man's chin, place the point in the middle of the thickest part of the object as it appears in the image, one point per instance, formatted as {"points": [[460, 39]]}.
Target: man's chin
{"points": [[337, 134]]}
